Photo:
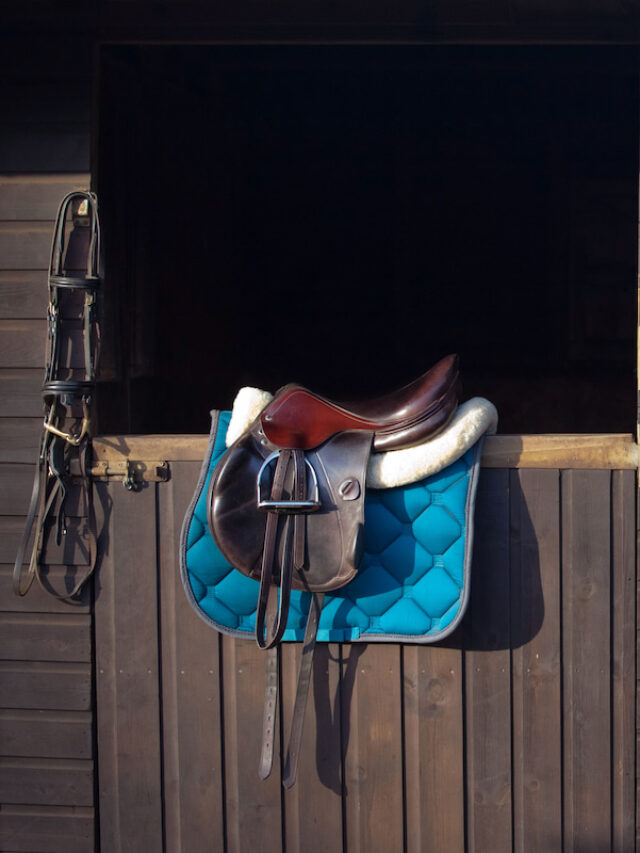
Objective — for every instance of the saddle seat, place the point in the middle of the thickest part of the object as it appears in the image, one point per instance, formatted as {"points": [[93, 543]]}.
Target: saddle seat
{"points": [[299, 419]]}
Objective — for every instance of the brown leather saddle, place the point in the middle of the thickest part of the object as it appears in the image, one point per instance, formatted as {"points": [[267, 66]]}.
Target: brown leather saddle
{"points": [[286, 506]]}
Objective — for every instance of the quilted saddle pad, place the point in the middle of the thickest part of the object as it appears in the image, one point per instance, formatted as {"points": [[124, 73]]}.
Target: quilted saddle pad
{"points": [[413, 581]]}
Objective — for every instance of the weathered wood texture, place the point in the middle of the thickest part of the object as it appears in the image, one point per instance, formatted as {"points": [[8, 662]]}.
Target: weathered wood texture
{"points": [[46, 711], [515, 734], [128, 676]]}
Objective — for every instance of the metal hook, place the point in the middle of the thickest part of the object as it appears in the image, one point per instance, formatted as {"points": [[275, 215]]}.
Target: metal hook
{"points": [[129, 482]]}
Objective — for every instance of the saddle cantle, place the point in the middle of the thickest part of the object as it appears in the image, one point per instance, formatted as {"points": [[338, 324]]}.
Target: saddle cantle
{"points": [[301, 419], [292, 520]]}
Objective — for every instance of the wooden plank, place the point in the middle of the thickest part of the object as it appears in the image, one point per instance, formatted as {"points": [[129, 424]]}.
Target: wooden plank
{"points": [[23, 344], [313, 806], [560, 451], [536, 660], [25, 245], [20, 395], [487, 674], [23, 293], [46, 829], [191, 690], [16, 484], [46, 781], [127, 673], [25, 197], [434, 748], [19, 439], [45, 636], [623, 659], [45, 685], [59, 579], [46, 734], [186, 448], [71, 551], [372, 746], [615, 451], [253, 808], [55, 146], [586, 566]]}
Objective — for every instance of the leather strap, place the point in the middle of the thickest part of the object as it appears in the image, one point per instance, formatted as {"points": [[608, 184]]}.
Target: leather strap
{"points": [[302, 695], [40, 508], [269, 622], [299, 494], [35, 509], [270, 712], [302, 690], [273, 608]]}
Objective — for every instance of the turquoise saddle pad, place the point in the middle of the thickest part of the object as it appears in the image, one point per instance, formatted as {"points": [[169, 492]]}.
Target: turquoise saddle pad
{"points": [[412, 584]]}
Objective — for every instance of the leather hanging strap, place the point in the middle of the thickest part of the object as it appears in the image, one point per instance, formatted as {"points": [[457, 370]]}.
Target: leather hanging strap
{"points": [[22, 583], [300, 705], [270, 712], [302, 690], [273, 608]]}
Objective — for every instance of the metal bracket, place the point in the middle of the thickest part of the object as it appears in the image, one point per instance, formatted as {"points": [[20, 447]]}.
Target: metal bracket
{"points": [[131, 472]]}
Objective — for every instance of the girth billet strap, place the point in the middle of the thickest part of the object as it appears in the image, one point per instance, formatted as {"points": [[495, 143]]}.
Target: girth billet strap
{"points": [[300, 705], [74, 268], [302, 690]]}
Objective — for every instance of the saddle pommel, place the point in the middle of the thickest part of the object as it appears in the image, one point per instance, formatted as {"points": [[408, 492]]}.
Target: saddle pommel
{"points": [[299, 419]]}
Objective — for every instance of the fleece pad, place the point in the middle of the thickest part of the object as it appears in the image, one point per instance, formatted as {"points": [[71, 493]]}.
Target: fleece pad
{"points": [[413, 581]]}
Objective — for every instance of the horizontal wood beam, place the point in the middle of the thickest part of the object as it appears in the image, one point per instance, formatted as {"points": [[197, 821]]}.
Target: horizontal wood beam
{"points": [[609, 452]]}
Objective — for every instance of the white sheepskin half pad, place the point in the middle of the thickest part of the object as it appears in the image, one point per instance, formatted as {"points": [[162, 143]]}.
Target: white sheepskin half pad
{"points": [[472, 420], [247, 406]]}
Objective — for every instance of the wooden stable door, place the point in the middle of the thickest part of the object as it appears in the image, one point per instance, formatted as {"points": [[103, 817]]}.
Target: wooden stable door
{"points": [[515, 733]]}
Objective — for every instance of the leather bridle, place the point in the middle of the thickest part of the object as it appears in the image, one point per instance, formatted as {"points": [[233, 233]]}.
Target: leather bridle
{"points": [[75, 265]]}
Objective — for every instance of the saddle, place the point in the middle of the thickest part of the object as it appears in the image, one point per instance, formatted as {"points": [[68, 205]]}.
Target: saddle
{"points": [[284, 505]]}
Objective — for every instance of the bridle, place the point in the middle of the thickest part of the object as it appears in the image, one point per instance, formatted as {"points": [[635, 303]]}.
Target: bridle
{"points": [[74, 268]]}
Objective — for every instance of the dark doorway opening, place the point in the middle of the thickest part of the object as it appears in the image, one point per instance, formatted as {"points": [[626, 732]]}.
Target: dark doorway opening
{"points": [[343, 216]]}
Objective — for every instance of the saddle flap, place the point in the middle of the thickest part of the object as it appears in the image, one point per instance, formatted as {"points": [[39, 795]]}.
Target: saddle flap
{"points": [[333, 531]]}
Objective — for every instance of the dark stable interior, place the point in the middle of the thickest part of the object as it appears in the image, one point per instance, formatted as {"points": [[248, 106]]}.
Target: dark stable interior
{"points": [[344, 216]]}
